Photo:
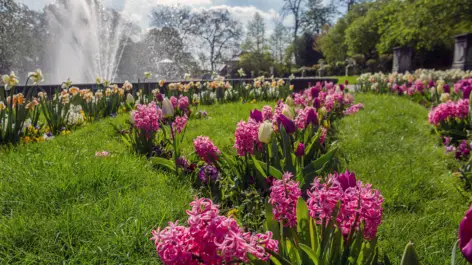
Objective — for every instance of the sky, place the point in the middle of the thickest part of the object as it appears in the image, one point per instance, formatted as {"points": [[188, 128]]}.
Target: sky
{"points": [[242, 10]]}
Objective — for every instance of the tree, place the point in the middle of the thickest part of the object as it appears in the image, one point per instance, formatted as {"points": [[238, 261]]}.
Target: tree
{"points": [[317, 15], [362, 34], [220, 34], [256, 62], [255, 40], [332, 45], [305, 53], [22, 35], [279, 41], [295, 8]]}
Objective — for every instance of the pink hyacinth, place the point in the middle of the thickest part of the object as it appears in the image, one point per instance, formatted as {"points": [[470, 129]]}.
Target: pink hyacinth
{"points": [[324, 132], [146, 118], [210, 238], [284, 195], [102, 153], [205, 149], [246, 137], [449, 110], [183, 102], [180, 123], [354, 109], [357, 202], [174, 101], [302, 117], [267, 113]]}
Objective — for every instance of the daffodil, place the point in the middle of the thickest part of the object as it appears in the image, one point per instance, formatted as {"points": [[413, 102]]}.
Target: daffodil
{"points": [[241, 72], [10, 81], [37, 76], [2, 106], [67, 84], [98, 80], [187, 77], [147, 75]]}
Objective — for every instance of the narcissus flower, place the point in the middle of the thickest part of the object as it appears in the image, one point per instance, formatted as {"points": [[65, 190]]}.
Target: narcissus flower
{"points": [[147, 75], [241, 72], [37, 76], [10, 81]]}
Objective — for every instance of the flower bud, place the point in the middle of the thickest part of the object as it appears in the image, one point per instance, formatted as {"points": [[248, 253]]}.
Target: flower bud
{"points": [[288, 112], [465, 236], [129, 99], [300, 150], [287, 123], [167, 108], [159, 97], [289, 101], [265, 132], [447, 88], [256, 115], [323, 111], [317, 103]]}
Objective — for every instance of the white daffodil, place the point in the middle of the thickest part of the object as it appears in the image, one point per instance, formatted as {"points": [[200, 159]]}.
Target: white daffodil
{"points": [[37, 76], [241, 72], [10, 80]]}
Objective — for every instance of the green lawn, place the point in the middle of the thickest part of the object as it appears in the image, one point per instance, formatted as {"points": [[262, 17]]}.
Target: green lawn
{"points": [[390, 145], [61, 204], [352, 79]]}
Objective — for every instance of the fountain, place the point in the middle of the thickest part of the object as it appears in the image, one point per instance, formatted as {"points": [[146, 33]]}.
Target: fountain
{"points": [[87, 39]]}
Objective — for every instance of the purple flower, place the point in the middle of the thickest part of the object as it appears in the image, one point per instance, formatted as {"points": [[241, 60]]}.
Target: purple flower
{"points": [[347, 179], [431, 84], [315, 91], [317, 103], [447, 88], [465, 236], [208, 173], [463, 150], [300, 150], [287, 123], [256, 115], [341, 87], [312, 117], [159, 97]]}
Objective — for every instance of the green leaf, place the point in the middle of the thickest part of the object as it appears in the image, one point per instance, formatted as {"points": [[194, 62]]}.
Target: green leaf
{"points": [[303, 228], [258, 167], [164, 162], [409, 255], [253, 260], [310, 171], [281, 260], [288, 165], [271, 224], [272, 170], [368, 252], [454, 251], [310, 253]]}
